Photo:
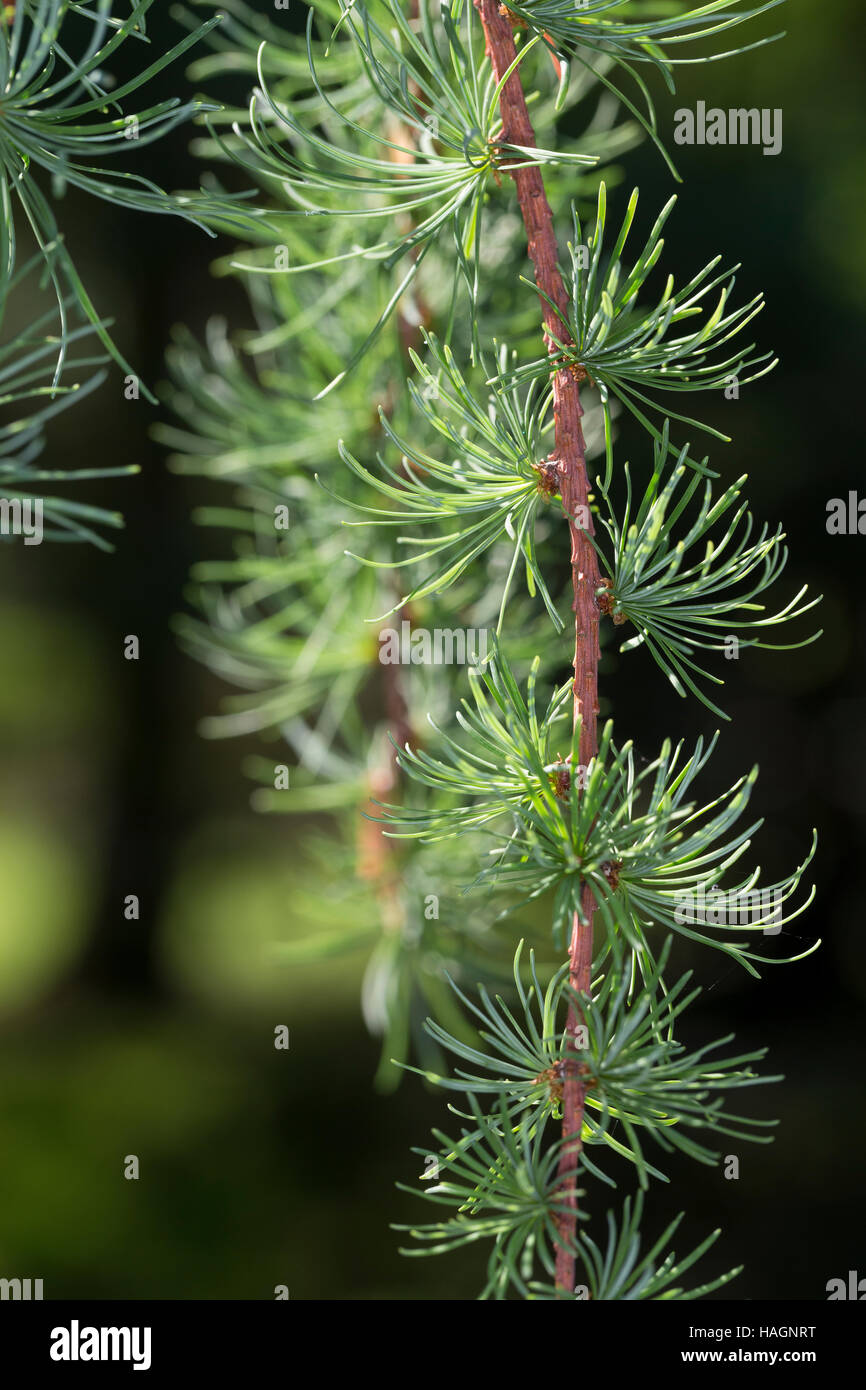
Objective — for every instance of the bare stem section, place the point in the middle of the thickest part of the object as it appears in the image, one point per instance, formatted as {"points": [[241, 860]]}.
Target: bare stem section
{"points": [[569, 461]]}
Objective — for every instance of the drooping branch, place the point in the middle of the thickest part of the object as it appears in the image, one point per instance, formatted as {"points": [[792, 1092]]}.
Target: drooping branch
{"points": [[377, 860], [569, 462]]}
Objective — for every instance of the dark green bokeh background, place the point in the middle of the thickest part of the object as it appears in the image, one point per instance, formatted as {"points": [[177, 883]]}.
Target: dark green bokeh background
{"points": [[156, 1038]]}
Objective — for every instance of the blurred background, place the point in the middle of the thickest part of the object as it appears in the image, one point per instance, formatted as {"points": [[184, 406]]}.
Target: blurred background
{"points": [[155, 1037]]}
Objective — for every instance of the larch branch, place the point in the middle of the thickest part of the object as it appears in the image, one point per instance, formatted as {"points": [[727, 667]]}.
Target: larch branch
{"points": [[569, 461]]}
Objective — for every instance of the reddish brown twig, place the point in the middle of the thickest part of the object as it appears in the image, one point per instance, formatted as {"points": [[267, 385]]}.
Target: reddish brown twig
{"points": [[569, 459], [377, 862]]}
